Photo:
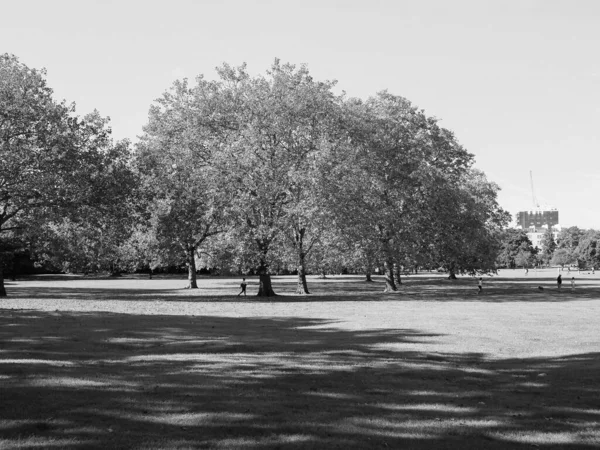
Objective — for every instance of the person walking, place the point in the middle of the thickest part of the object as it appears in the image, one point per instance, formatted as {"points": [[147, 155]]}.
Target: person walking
{"points": [[559, 281], [572, 282], [243, 286], [480, 285]]}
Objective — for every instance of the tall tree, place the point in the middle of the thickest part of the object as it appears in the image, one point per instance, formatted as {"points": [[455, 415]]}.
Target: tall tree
{"points": [[548, 246], [395, 156], [187, 202], [284, 120], [469, 221], [88, 236], [568, 240], [50, 159], [569, 237]]}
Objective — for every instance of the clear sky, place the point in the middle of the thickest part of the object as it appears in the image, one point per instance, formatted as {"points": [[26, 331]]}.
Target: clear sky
{"points": [[518, 81]]}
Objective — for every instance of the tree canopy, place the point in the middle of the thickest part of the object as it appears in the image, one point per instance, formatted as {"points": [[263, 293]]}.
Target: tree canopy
{"points": [[53, 165], [256, 173]]}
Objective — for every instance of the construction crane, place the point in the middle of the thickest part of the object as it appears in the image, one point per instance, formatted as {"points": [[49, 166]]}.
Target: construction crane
{"points": [[536, 203]]}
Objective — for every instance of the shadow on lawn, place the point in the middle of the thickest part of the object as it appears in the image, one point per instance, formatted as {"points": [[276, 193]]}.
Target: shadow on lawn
{"points": [[100, 380], [334, 289]]}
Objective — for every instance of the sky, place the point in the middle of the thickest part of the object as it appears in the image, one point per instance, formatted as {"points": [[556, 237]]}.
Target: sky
{"points": [[517, 81]]}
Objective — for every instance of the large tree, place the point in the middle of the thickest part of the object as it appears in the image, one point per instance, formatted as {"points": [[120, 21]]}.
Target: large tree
{"points": [[468, 223], [567, 242], [186, 199], [50, 160], [88, 236], [284, 120], [394, 158]]}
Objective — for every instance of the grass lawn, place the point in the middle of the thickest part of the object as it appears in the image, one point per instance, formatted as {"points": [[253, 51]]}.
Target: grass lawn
{"points": [[144, 364]]}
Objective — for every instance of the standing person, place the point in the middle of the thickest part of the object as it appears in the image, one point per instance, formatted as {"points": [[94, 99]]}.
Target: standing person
{"points": [[243, 286], [480, 285], [559, 281], [572, 282]]}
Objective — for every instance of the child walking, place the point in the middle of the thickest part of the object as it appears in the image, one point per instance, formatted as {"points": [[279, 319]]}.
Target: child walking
{"points": [[243, 286]]}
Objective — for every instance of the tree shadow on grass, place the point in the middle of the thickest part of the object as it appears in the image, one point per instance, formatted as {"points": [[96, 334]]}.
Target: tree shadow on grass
{"points": [[102, 380]]}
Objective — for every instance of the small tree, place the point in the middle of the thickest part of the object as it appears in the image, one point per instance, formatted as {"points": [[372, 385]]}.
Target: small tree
{"points": [[561, 257], [588, 249], [548, 246], [524, 259], [514, 242]]}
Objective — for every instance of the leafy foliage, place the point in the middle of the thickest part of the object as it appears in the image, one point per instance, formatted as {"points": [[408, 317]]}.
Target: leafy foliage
{"points": [[516, 249], [254, 174], [548, 246], [53, 165], [588, 249]]}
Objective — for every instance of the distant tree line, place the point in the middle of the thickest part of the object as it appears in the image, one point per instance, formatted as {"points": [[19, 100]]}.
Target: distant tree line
{"points": [[245, 173], [573, 247]]}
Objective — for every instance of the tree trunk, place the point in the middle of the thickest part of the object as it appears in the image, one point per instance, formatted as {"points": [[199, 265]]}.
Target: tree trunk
{"points": [[265, 288], [2, 289], [14, 269], [302, 287], [451, 275], [369, 270], [388, 267], [191, 264], [397, 275], [388, 259]]}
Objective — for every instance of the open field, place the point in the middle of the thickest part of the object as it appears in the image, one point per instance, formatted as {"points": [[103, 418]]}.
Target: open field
{"points": [[145, 364]]}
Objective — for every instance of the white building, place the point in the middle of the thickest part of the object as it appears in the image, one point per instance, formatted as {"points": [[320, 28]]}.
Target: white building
{"points": [[536, 235], [536, 223]]}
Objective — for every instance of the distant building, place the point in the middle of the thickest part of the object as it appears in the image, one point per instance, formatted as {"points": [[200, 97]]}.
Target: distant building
{"points": [[537, 222], [537, 219], [536, 237]]}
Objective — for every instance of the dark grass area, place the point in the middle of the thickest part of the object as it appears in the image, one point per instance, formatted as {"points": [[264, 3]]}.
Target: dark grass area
{"points": [[120, 381], [101, 380]]}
